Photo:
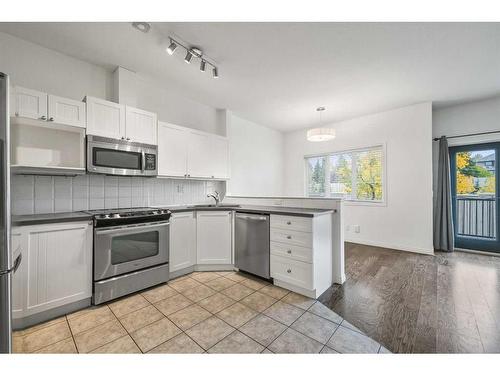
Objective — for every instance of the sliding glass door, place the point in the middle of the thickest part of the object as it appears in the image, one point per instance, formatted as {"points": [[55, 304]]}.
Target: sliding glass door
{"points": [[475, 196]]}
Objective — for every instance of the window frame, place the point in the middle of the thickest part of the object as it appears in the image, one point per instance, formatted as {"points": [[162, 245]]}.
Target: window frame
{"points": [[349, 201]]}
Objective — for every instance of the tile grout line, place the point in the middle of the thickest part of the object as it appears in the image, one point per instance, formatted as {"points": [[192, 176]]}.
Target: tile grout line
{"points": [[71, 332], [128, 334]]}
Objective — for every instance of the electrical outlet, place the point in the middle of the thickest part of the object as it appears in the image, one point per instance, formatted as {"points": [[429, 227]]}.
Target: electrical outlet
{"points": [[357, 229]]}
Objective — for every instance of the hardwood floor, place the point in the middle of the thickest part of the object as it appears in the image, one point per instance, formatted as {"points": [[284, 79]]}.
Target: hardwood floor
{"points": [[411, 303]]}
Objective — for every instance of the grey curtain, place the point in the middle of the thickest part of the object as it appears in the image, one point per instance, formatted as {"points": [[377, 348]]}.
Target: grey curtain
{"points": [[443, 219]]}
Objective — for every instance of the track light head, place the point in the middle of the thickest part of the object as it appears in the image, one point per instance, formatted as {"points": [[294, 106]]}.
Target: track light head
{"points": [[203, 66], [171, 48], [215, 72], [188, 57]]}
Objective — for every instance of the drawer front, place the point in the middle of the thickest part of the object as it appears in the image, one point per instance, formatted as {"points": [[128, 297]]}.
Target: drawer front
{"points": [[292, 271], [302, 224], [291, 237], [303, 254]]}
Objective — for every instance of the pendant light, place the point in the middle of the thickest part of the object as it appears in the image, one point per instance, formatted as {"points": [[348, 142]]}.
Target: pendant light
{"points": [[320, 134]]}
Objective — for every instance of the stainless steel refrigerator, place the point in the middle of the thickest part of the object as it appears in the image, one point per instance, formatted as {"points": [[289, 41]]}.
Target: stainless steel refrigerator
{"points": [[7, 264]]}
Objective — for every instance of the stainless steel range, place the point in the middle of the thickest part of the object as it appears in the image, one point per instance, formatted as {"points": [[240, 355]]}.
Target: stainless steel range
{"points": [[130, 251]]}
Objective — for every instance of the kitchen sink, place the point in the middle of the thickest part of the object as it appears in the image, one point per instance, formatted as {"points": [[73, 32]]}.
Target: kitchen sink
{"points": [[222, 205]]}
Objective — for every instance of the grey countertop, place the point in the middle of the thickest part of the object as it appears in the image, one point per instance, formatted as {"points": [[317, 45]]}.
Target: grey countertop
{"points": [[293, 211], [20, 220], [62, 217]]}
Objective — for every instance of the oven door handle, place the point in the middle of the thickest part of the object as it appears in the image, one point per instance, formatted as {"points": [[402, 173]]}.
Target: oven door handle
{"points": [[124, 228]]}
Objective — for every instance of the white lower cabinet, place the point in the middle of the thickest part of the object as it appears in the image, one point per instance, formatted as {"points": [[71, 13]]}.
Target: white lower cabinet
{"points": [[301, 253], [182, 250], [213, 237], [56, 267]]}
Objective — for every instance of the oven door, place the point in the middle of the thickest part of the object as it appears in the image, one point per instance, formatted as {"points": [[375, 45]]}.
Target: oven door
{"points": [[118, 157], [118, 250]]}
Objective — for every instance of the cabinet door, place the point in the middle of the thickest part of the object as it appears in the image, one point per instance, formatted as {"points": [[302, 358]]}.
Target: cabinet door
{"points": [[172, 150], [59, 265], [19, 277], [213, 237], [66, 111], [220, 157], [199, 155], [104, 118], [29, 103], [182, 241], [141, 126]]}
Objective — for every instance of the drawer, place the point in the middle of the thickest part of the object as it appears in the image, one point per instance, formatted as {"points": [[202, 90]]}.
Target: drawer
{"points": [[292, 271], [291, 237], [302, 224], [303, 254]]}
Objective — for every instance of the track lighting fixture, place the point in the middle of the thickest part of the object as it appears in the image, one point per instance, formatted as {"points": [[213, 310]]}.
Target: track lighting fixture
{"points": [[191, 52], [171, 48], [189, 56]]}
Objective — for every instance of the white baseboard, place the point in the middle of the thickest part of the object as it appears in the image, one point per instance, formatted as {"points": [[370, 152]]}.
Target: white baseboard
{"points": [[393, 246]]}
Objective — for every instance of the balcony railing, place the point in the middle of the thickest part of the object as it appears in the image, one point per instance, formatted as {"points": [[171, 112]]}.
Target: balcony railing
{"points": [[476, 217]]}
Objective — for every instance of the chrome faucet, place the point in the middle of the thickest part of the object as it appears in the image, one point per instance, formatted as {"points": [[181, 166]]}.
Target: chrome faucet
{"points": [[215, 195]]}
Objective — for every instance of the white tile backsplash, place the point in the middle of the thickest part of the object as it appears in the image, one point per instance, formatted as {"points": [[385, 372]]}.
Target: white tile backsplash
{"points": [[48, 194]]}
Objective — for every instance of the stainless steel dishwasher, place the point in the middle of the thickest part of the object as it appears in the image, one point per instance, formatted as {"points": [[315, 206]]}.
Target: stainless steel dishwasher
{"points": [[252, 243]]}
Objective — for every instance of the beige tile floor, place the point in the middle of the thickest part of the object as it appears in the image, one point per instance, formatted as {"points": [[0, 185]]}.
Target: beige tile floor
{"points": [[214, 312]]}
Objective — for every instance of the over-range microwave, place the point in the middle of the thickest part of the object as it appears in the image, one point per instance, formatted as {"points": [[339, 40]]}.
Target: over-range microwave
{"points": [[121, 157]]}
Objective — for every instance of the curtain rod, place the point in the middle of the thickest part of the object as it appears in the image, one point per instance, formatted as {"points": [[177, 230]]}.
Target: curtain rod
{"points": [[469, 135]]}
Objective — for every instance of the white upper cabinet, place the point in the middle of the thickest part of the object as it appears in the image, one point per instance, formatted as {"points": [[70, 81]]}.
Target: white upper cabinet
{"points": [[220, 157], [213, 237], [66, 111], [172, 150], [141, 126], [29, 103], [105, 118], [112, 120], [199, 155], [184, 152]]}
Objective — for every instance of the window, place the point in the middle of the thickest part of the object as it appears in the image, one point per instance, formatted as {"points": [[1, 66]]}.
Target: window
{"points": [[355, 175]]}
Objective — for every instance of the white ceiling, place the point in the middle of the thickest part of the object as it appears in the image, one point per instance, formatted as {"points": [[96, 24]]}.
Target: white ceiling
{"points": [[276, 74]]}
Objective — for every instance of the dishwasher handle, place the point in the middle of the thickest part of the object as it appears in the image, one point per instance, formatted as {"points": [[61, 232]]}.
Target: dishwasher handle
{"points": [[252, 217]]}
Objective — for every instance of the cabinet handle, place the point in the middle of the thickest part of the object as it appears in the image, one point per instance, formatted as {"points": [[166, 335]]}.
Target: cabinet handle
{"points": [[289, 270], [289, 237], [51, 119], [43, 118], [288, 223], [289, 251]]}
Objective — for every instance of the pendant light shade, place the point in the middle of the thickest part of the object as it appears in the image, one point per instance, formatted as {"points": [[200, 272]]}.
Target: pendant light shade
{"points": [[320, 134]]}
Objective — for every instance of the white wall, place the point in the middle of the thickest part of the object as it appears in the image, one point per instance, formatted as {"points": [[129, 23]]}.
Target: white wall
{"points": [[143, 92], [42, 69], [405, 220], [256, 155]]}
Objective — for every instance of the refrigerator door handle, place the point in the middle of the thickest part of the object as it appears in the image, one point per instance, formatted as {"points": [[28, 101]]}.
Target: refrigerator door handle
{"points": [[17, 263]]}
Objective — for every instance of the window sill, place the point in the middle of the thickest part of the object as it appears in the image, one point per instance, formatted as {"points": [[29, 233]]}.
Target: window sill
{"points": [[365, 203]]}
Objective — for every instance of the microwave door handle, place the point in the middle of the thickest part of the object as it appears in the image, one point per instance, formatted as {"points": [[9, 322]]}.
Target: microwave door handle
{"points": [[143, 161]]}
